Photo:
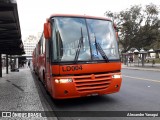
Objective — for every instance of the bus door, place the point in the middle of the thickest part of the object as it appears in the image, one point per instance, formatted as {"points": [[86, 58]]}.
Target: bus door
{"points": [[48, 73]]}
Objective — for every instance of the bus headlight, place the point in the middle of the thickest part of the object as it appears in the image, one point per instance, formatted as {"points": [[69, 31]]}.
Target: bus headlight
{"points": [[63, 80], [116, 76]]}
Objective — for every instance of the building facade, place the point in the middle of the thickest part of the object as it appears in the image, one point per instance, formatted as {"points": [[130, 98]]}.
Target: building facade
{"points": [[29, 45]]}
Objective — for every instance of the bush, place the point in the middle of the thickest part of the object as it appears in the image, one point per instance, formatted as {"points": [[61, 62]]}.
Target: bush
{"points": [[157, 60]]}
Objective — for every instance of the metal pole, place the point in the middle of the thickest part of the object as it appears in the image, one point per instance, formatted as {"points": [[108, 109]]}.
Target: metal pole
{"points": [[0, 65], [142, 60], [6, 64], [17, 66]]}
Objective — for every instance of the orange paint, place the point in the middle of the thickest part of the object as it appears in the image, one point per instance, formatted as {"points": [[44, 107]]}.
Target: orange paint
{"points": [[73, 80]]}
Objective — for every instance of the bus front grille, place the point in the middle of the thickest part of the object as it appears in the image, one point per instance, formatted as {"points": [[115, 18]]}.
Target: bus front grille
{"points": [[92, 82]]}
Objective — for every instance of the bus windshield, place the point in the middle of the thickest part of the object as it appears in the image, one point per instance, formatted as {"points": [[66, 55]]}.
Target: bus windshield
{"points": [[83, 39]]}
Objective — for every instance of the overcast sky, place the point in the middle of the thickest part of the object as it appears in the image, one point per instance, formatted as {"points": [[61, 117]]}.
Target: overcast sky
{"points": [[33, 13]]}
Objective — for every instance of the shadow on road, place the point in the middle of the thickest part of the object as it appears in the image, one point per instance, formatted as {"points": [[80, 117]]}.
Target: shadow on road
{"points": [[84, 101]]}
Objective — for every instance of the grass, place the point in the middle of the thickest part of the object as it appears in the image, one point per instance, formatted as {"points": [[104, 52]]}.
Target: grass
{"points": [[157, 60]]}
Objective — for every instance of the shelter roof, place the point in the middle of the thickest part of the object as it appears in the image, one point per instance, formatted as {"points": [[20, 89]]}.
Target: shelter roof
{"points": [[10, 32]]}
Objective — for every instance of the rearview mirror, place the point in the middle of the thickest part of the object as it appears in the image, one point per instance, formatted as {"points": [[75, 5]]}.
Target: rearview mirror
{"points": [[47, 30]]}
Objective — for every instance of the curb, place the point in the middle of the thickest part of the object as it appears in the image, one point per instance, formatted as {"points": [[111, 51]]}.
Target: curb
{"points": [[144, 69]]}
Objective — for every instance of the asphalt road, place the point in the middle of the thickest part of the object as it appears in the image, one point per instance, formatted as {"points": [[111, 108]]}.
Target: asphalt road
{"points": [[140, 91]]}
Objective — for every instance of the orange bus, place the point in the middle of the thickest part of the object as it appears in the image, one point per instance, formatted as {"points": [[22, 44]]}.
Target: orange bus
{"points": [[38, 59], [33, 59], [35, 55], [79, 56]]}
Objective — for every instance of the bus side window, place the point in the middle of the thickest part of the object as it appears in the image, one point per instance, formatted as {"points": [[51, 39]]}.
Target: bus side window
{"points": [[47, 50]]}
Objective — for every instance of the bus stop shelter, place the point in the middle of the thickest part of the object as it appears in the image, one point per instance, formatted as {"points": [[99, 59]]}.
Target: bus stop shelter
{"points": [[10, 32]]}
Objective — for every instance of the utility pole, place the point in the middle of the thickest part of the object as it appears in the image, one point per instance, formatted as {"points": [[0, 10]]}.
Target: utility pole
{"points": [[6, 64], [0, 65]]}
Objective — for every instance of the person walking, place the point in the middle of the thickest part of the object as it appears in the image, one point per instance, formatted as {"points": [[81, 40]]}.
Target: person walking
{"points": [[29, 64]]}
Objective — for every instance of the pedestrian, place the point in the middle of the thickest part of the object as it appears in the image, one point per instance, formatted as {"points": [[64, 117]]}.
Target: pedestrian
{"points": [[29, 64], [22, 64]]}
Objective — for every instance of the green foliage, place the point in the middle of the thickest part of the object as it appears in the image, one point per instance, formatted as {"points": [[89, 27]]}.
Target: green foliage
{"points": [[138, 28]]}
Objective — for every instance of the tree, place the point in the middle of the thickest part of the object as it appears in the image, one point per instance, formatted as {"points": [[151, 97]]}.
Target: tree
{"points": [[137, 28]]}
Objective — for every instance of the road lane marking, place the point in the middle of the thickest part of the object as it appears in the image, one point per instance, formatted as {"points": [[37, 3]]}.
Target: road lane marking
{"points": [[151, 80]]}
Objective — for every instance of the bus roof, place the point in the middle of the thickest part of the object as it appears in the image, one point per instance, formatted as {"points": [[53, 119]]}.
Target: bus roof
{"points": [[76, 15]]}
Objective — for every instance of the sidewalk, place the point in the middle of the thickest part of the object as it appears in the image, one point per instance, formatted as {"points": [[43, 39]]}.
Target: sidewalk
{"points": [[136, 66], [18, 92]]}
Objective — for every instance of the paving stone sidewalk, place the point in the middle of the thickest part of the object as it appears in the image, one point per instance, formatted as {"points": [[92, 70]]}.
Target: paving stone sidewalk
{"points": [[18, 92]]}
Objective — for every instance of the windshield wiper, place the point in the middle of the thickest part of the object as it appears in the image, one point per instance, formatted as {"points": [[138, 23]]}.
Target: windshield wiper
{"points": [[80, 44], [101, 51]]}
